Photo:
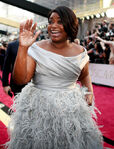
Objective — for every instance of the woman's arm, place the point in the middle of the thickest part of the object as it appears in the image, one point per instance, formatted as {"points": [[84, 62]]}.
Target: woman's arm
{"points": [[24, 66], [86, 81], [90, 51], [104, 41]]}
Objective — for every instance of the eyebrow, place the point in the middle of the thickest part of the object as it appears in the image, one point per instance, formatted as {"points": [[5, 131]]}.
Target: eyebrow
{"points": [[52, 17]]}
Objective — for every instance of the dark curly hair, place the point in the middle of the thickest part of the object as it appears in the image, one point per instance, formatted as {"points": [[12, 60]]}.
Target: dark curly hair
{"points": [[69, 21]]}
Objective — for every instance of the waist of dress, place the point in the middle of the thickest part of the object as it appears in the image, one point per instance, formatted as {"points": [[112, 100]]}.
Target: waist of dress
{"points": [[55, 88]]}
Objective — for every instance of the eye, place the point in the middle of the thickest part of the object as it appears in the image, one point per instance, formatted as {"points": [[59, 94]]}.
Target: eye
{"points": [[60, 22], [50, 21]]}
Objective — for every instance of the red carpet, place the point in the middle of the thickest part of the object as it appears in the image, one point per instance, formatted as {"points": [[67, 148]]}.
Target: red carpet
{"points": [[104, 99], [3, 134], [105, 103], [5, 99]]}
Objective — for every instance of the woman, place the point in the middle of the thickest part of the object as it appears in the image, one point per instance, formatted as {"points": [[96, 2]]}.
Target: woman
{"points": [[52, 111], [98, 53]]}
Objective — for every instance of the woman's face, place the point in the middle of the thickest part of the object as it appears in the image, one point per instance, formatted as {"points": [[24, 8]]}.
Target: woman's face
{"points": [[56, 29], [95, 46]]}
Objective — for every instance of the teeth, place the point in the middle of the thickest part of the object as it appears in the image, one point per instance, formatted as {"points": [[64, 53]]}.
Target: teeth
{"points": [[54, 32]]}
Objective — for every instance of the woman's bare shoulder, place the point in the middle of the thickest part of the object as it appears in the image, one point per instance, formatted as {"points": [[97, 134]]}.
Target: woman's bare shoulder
{"points": [[78, 48]]}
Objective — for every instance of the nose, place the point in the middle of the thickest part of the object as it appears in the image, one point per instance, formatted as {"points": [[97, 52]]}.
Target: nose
{"points": [[54, 24]]}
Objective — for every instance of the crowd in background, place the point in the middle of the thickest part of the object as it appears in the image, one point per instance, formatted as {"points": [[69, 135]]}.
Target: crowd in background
{"points": [[100, 43], [98, 51]]}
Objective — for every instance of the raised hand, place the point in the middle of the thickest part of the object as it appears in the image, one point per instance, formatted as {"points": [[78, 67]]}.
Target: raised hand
{"points": [[27, 36], [6, 89], [97, 37]]}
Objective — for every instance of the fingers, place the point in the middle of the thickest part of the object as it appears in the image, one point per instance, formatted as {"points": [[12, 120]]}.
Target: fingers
{"points": [[21, 27], [6, 89], [28, 25], [89, 102], [89, 98], [27, 30]]}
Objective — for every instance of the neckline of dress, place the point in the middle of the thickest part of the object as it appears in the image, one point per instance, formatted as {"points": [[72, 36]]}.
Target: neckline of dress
{"points": [[60, 54]]}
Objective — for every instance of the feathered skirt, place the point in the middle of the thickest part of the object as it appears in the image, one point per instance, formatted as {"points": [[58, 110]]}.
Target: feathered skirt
{"points": [[58, 119]]}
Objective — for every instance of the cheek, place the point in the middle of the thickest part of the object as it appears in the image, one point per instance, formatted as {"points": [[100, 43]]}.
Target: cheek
{"points": [[65, 34], [63, 30], [48, 28]]}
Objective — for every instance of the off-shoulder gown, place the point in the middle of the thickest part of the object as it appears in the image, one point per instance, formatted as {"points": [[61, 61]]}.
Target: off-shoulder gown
{"points": [[51, 111]]}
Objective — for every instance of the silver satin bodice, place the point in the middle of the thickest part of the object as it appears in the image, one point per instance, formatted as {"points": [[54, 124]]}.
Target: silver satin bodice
{"points": [[54, 71]]}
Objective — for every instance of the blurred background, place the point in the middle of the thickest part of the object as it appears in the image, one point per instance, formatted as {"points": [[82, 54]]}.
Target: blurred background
{"points": [[89, 13]]}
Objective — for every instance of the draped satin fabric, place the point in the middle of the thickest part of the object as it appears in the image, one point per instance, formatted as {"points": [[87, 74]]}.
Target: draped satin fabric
{"points": [[54, 71]]}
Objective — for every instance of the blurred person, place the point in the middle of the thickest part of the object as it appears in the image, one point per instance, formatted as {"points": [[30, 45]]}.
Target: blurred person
{"points": [[88, 33], [111, 45], [77, 41], [90, 44], [107, 53], [3, 47], [84, 43], [105, 23], [9, 86], [98, 53], [53, 111], [91, 36], [91, 55], [111, 29]]}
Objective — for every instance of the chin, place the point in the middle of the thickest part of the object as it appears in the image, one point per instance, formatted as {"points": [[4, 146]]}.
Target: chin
{"points": [[56, 40]]}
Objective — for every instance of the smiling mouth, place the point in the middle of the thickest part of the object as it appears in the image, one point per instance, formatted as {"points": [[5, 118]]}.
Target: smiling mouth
{"points": [[55, 33]]}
